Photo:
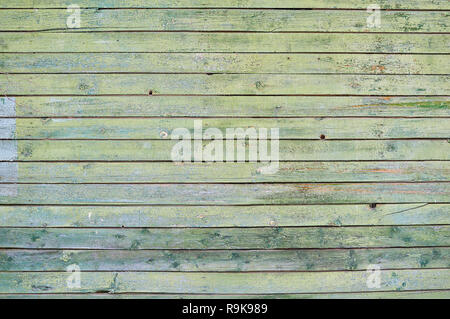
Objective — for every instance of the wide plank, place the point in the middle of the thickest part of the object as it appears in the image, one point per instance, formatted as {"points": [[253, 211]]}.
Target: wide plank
{"points": [[223, 20], [304, 4], [163, 172], [229, 283], [220, 260], [224, 216], [160, 150], [224, 63], [226, 238], [305, 128], [231, 42], [223, 84], [223, 106]]}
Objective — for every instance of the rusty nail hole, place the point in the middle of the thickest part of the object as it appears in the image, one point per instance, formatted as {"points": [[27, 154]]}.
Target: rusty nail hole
{"points": [[373, 205], [150, 92], [322, 137]]}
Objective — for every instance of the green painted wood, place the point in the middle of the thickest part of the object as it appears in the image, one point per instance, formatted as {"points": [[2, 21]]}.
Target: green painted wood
{"points": [[309, 128], [222, 42], [423, 294], [224, 216], [302, 282], [222, 84], [225, 194], [226, 238], [224, 20], [160, 150], [225, 106], [224, 63], [230, 260], [157, 172], [357, 4]]}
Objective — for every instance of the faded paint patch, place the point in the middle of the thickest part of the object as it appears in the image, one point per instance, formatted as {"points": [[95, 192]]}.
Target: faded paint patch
{"points": [[7, 128], [8, 172], [8, 106], [8, 148]]}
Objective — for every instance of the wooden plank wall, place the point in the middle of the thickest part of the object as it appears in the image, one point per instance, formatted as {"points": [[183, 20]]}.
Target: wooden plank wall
{"points": [[87, 178]]}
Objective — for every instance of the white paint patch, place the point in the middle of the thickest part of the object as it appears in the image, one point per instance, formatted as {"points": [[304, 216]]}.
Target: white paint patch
{"points": [[7, 106], [8, 148]]}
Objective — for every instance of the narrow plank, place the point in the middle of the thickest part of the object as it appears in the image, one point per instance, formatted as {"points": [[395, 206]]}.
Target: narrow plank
{"points": [[224, 63], [162, 172], [239, 261], [224, 106], [309, 128], [420, 294], [223, 84], [224, 216], [223, 20], [224, 194], [160, 150], [305, 4], [226, 238], [222, 42], [232, 283]]}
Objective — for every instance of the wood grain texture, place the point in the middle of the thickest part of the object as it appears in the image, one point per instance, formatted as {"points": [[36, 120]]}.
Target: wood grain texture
{"points": [[225, 106], [163, 172], [225, 194], [226, 238], [224, 216], [224, 20], [160, 150], [222, 84], [392, 280], [305, 4], [310, 128], [224, 63], [86, 172], [199, 42], [225, 260]]}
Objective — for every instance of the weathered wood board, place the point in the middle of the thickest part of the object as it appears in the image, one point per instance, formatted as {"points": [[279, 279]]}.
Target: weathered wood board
{"points": [[89, 114]]}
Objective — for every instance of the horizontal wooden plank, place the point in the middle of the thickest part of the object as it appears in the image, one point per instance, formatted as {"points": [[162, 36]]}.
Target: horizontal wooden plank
{"points": [[223, 20], [224, 194], [224, 63], [309, 128], [226, 238], [421, 294], [194, 261], [353, 4], [222, 42], [223, 84], [224, 216], [290, 282], [157, 172], [223, 106], [418, 294], [160, 150]]}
